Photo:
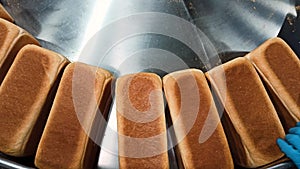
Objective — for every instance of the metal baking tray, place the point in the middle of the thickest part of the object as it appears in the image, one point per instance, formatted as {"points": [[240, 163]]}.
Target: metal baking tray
{"points": [[158, 36]]}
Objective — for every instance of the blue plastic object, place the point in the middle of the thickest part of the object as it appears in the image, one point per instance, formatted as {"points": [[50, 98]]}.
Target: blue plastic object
{"points": [[291, 145]]}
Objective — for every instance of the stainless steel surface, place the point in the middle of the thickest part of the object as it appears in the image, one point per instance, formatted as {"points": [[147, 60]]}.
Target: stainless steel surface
{"points": [[65, 26], [147, 35], [5, 163], [239, 25], [232, 25], [285, 165]]}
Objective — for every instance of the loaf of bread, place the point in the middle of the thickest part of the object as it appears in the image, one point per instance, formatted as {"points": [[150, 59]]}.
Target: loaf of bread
{"points": [[5, 15], [250, 119], [65, 143], [12, 39], [141, 123], [201, 139], [24, 99], [279, 67]]}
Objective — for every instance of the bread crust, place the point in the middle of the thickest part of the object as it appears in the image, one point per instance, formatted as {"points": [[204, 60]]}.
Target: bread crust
{"points": [[188, 95], [279, 68], [141, 122], [5, 15], [23, 95], [12, 39], [65, 142], [250, 120]]}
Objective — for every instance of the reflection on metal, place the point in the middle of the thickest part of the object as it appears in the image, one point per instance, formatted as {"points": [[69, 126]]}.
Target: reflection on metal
{"points": [[232, 25], [71, 26], [5, 163], [240, 25]]}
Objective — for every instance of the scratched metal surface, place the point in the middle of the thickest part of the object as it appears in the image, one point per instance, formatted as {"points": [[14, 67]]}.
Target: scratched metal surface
{"points": [[133, 35]]}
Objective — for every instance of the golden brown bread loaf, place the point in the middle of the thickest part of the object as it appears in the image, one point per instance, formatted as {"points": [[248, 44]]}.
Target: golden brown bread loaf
{"points": [[196, 122], [5, 15], [65, 142], [279, 67], [23, 99], [12, 39], [250, 120], [141, 122]]}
